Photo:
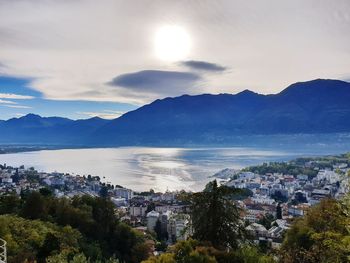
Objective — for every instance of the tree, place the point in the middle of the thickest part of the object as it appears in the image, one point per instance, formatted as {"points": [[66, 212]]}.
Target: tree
{"points": [[300, 198], [104, 191], [63, 258], [164, 258], [193, 251], [279, 211], [321, 236], [34, 206], [158, 230], [266, 221], [150, 207], [34, 239], [9, 204], [215, 217], [45, 191], [279, 197], [50, 246]]}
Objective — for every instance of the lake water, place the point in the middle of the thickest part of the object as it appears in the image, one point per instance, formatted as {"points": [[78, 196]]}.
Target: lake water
{"points": [[143, 168]]}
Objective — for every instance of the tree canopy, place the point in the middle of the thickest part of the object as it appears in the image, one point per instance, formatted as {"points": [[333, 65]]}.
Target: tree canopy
{"points": [[321, 236], [215, 217]]}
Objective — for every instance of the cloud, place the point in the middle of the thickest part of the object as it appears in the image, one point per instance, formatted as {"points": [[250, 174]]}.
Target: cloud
{"points": [[15, 96], [157, 81], [17, 106], [78, 46], [203, 65], [7, 102], [12, 104], [106, 114]]}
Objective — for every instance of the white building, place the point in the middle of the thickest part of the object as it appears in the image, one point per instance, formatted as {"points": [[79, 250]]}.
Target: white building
{"points": [[137, 211], [124, 193], [178, 227], [152, 218], [328, 175]]}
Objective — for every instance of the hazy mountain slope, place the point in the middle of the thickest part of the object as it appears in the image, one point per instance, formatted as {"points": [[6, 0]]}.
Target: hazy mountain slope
{"points": [[34, 129], [318, 106]]}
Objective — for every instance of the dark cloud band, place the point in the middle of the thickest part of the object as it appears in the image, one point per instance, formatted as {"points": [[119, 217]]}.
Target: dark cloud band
{"points": [[156, 80], [203, 65]]}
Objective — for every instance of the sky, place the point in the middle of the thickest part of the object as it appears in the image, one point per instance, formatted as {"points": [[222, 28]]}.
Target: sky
{"points": [[85, 58]]}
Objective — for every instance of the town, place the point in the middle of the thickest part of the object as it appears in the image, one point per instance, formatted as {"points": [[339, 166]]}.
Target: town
{"points": [[271, 195]]}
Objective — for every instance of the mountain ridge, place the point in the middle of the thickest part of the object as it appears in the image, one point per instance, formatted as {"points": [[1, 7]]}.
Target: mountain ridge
{"points": [[317, 106]]}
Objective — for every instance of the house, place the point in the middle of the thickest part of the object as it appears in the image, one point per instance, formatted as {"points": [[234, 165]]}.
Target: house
{"points": [[152, 218], [137, 211], [124, 193], [257, 230]]}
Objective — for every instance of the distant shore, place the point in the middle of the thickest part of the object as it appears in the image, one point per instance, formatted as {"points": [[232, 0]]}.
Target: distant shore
{"points": [[6, 149]]}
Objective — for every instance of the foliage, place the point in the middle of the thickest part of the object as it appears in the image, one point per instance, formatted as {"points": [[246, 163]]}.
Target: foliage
{"points": [[279, 197], [32, 239], [266, 221], [9, 204], [241, 194], [158, 230], [215, 217], [283, 168], [192, 251], [279, 211], [103, 236], [321, 236]]}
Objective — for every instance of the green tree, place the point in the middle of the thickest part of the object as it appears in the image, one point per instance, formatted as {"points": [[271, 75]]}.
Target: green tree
{"points": [[279, 211], [9, 204], [50, 246], [164, 258], [192, 251], [158, 230], [45, 191], [151, 206], [34, 206], [34, 239], [266, 221], [104, 191], [215, 217], [321, 236], [64, 258]]}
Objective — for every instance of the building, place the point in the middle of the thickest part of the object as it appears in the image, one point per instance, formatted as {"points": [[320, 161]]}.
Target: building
{"points": [[137, 211], [152, 218], [178, 227], [124, 193], [257, 230]]}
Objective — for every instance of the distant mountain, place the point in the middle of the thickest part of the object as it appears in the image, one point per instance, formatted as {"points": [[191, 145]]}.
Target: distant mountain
{"points": [[34, 129], [318, 106]]}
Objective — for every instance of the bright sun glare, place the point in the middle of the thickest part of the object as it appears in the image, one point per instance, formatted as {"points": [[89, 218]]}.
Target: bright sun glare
{"points": [[172, 43]]}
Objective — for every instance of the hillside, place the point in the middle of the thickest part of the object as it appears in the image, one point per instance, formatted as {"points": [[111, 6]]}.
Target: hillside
{"points": [[313, 107]]}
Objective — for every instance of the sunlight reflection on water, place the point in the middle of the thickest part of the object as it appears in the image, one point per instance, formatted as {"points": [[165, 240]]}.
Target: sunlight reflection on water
{"points": [[143, 168]]}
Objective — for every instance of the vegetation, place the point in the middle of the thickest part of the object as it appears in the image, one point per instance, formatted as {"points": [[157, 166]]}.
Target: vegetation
{"points": [[307, 165], [215, 217], [283, 168], [92, 221], [321, 236], [34, 239], [39, 227], [193, 251]]}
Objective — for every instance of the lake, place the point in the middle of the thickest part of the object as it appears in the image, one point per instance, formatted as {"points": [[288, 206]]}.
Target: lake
{"points": [[143, 168]]}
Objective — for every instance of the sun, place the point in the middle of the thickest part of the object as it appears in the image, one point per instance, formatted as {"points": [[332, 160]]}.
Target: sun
{"points": [[172, 43]]}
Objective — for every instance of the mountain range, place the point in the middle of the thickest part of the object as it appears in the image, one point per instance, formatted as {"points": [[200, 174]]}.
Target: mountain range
{"points": [[312, 107]]}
